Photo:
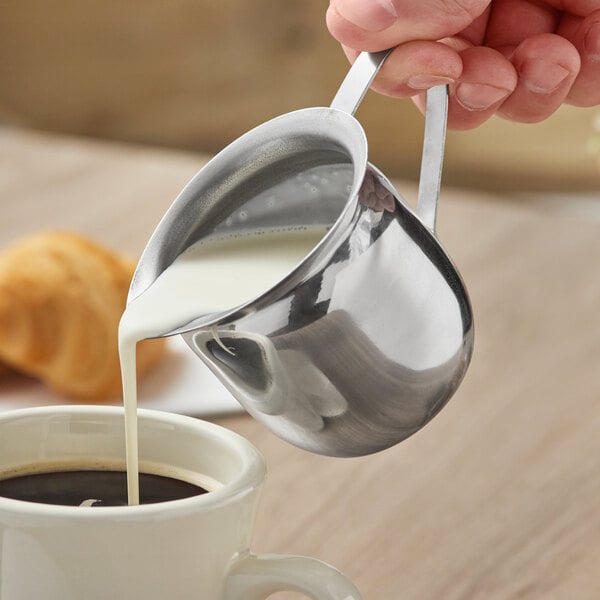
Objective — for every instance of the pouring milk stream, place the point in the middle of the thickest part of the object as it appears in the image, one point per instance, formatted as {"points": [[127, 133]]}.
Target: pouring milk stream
{"points": [[219, 274]]}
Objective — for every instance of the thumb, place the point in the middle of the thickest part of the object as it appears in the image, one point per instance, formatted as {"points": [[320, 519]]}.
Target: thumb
{"points": [[378, 24]]}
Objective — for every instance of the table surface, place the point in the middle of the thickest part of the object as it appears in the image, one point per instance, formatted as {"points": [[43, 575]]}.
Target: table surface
{"points": [[499, 496]]}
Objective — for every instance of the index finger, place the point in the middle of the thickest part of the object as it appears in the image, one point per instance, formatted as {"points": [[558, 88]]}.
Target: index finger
{"points": [[580, 8], [512, 21], [374, 25]]}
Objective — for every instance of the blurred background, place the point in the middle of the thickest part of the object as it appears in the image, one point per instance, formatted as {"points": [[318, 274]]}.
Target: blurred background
{"points": [[195, 74], [498, 498]]}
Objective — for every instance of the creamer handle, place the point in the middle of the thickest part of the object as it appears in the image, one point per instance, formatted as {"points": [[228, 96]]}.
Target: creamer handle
{"points": [[357, 81]]}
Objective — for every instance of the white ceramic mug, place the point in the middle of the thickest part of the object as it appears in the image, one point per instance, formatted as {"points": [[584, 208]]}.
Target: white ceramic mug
{"points": [[194, 548]]}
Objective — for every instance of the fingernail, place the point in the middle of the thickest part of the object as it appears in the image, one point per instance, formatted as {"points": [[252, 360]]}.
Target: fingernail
{"points": [[478, 96], [424, 82], [591, 42], [375, 15], [541, 76]]}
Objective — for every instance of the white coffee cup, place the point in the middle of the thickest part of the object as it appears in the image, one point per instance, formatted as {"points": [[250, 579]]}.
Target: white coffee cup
{"points": [[194, 548]]}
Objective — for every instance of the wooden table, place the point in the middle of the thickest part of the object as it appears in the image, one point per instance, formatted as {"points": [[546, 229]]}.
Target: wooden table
{"points": [[499, 497]]}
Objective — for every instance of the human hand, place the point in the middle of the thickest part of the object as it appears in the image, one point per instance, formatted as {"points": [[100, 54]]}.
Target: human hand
{"points": [[520, 59]]}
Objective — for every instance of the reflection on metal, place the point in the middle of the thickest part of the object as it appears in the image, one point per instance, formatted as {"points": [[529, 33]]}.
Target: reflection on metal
{"points": [[360, 352], [369, 336]]}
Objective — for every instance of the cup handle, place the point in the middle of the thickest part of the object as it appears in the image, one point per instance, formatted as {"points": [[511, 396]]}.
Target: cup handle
{"points": [[256, 577]]}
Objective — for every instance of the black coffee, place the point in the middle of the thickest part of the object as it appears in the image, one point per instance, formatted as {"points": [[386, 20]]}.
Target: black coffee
{"points": [[93, 488]]}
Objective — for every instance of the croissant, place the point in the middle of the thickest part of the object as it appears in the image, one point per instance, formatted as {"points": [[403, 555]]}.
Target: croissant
{"points": [[61, 299], [4, 372]]}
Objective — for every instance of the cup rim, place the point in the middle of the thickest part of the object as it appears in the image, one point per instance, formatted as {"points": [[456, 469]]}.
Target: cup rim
{"points": [[250, 476]]}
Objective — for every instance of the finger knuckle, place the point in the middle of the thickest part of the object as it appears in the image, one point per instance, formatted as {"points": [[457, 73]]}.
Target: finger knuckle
{"points": [[465, 9]]}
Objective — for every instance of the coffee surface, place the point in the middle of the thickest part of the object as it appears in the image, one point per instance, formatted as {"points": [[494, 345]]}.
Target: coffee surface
{"points": [[94, 488]]}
